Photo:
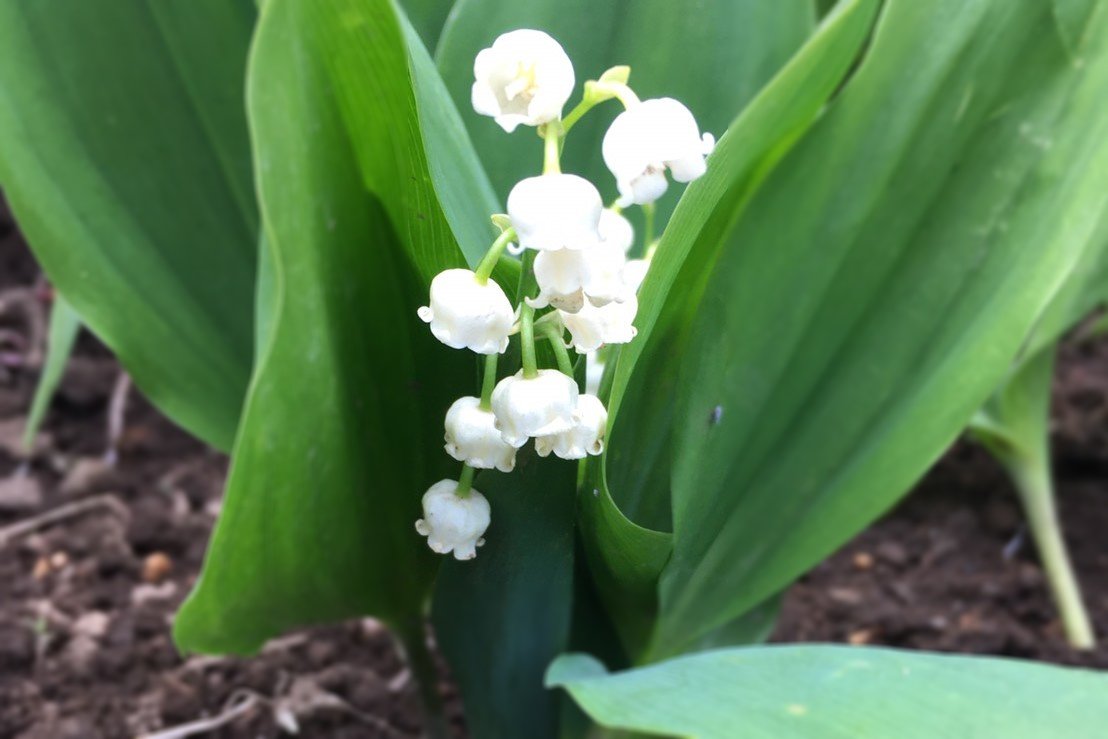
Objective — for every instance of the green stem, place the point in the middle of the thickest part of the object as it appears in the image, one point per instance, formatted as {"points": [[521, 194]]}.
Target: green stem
{"points": [[488, 382], [492, 256], [619, 90], [576, 114], [648, 227], [426, 675], [465, 481], [552, 152], [1036, 491], [527, 341], [557, 341]]}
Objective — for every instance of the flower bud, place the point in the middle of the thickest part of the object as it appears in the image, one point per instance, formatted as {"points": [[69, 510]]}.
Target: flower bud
{"points": [[645, 140], [453, 523], [543, 405], [585, 438], [524, 77], [556, 211], [472, 437], [465, 314], [593, 326]]}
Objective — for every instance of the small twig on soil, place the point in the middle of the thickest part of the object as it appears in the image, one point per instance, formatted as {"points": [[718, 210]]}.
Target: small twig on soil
{"points": [[117, 410], [1015, 544], [239, 703], [20, 528]]}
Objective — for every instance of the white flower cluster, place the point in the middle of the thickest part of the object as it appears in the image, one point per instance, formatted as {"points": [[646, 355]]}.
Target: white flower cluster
{"points": [[577, 274]]}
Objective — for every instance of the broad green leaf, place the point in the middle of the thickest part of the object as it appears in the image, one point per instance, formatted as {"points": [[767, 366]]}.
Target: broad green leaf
{"points": [[834, 692], [501, 618], [126, 162], [1085, 289], [1072, 20], [866, 305], [646, 370], [712, 56], [65, 324], [342, 430], [626, 556]]}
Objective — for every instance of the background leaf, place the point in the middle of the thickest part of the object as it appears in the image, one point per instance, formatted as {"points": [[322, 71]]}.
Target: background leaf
{"points": [[863, 310], [126, 162], [828, 692], [712, 56], [428, 17], [65, 324], [342, 431], [625, 556], [501, 618]]}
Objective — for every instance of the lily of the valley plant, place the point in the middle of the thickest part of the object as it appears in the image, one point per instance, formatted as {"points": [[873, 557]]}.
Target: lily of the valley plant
{"points": [[574, 262], [432, 275]]}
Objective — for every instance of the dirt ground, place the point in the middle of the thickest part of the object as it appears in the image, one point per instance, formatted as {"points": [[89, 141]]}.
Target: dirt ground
{"points": [[86, 602]]}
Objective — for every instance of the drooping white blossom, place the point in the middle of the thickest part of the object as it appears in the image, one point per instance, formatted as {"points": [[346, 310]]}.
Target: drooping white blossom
{"points": [[585, 438], [525, 77], [466, 314], [647, 139], [539, 406], [556, 211], [567, 276], [472, 437], [616, 230], [453, 523], [634, 272], [593, 326]]}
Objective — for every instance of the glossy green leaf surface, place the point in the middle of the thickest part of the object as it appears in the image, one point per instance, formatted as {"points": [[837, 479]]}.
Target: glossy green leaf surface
{"points": [[712, 56], [627, 555], [646, 371], [833, 692], [342, 430], [501, 618], [1085, 290], [865, 307], [126, 161], [65, 324]]}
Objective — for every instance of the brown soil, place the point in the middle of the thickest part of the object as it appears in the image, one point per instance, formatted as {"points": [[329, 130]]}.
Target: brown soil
{"points": [[86, 602]]}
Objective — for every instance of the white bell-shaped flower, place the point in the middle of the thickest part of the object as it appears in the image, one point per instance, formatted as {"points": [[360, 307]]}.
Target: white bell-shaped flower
{"points": [[465, 314], [524, 77], [545, 404], [566, 276], [634, 272], [472, 437], [556, 211], [585, 438], [645, 140], [616, 230], [593, 326], [453, 523]]}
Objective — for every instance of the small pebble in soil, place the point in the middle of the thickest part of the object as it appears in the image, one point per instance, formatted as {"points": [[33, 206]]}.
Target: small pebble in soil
{"points": [[156, 567], [863, 561]]}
